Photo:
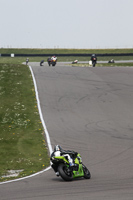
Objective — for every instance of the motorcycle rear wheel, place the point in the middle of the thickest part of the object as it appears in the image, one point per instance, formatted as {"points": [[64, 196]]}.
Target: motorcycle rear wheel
{"points": [[87, 173], [65, 173]]}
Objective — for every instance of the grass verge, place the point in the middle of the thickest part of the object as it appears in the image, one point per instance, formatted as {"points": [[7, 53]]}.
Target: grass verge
{"points": [[62, 51], [22, 141], [105, 64]]}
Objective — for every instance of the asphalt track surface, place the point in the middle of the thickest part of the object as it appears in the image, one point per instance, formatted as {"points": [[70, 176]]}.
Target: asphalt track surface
{"points": [[89, 110]]}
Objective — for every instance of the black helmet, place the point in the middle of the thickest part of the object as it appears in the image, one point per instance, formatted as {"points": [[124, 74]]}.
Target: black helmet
{"points": [[57, 148]]}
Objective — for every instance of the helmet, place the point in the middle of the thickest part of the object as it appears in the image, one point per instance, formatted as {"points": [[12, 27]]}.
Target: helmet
{"points": [[57, 148]]}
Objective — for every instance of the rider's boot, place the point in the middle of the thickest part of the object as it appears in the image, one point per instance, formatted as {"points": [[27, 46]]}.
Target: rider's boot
{"points": [[57, 173]]}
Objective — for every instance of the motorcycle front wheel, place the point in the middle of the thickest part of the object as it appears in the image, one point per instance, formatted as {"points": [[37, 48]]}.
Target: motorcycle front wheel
{"points": [[87, 173], [65, 173]]}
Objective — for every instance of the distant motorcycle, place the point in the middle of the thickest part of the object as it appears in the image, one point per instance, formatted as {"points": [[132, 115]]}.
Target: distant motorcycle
{"points": [[52, 61], [61, 165], [49, 61], [27, 60], [41, 63], [111, 61], [75, 62], [94, 59]]}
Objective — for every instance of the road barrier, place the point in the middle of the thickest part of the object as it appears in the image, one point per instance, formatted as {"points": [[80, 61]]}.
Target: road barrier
{"points": [[64, 55]]}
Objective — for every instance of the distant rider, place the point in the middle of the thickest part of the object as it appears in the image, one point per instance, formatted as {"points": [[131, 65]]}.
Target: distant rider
{"points": [[49, 61], [54, 58], [27, 60], [93, 57], [41, 63]]}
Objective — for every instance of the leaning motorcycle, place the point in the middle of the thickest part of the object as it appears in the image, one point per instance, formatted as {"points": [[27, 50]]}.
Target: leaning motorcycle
{"points": [[61, 165]]}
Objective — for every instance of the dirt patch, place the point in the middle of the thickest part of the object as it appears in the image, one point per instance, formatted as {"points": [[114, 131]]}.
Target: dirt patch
{"points": [[12, 173]]}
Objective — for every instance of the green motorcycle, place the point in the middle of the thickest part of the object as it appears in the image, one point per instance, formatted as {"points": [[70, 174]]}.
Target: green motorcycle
{"points": [[60, 165]]}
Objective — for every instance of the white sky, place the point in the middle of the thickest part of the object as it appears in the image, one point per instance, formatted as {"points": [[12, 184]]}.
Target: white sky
{"points": [[66, 23]]}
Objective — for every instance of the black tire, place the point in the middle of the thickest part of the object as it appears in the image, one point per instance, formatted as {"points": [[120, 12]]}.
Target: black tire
{"points": [[87, 173], [64, 173]]}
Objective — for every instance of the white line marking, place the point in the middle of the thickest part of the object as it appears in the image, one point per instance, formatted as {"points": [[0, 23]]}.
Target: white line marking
{"points": [[46, 132], [19, 179], [40, 112]]}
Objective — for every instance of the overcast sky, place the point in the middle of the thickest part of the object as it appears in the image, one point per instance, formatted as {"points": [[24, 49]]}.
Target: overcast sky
{"points": [[66, 23]]}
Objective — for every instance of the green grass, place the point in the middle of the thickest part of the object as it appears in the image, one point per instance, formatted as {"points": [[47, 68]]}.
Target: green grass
{"points": [[63, 51], [115, 65], [105, 64], [22, 140]]}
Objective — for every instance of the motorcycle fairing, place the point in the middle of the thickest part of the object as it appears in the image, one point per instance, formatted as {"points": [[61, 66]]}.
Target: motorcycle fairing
{"points": [[60, 158], [77, 173], [80, 171]]}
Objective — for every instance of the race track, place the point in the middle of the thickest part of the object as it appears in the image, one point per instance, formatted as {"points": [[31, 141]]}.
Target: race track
{"points": [[89, 110]]}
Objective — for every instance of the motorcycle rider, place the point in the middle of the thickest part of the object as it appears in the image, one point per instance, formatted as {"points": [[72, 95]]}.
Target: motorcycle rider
{"points": [[49, 61], [93, 59], [93, 56], [70, 155], [27, 60], [42, 61], [54, 58]]}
